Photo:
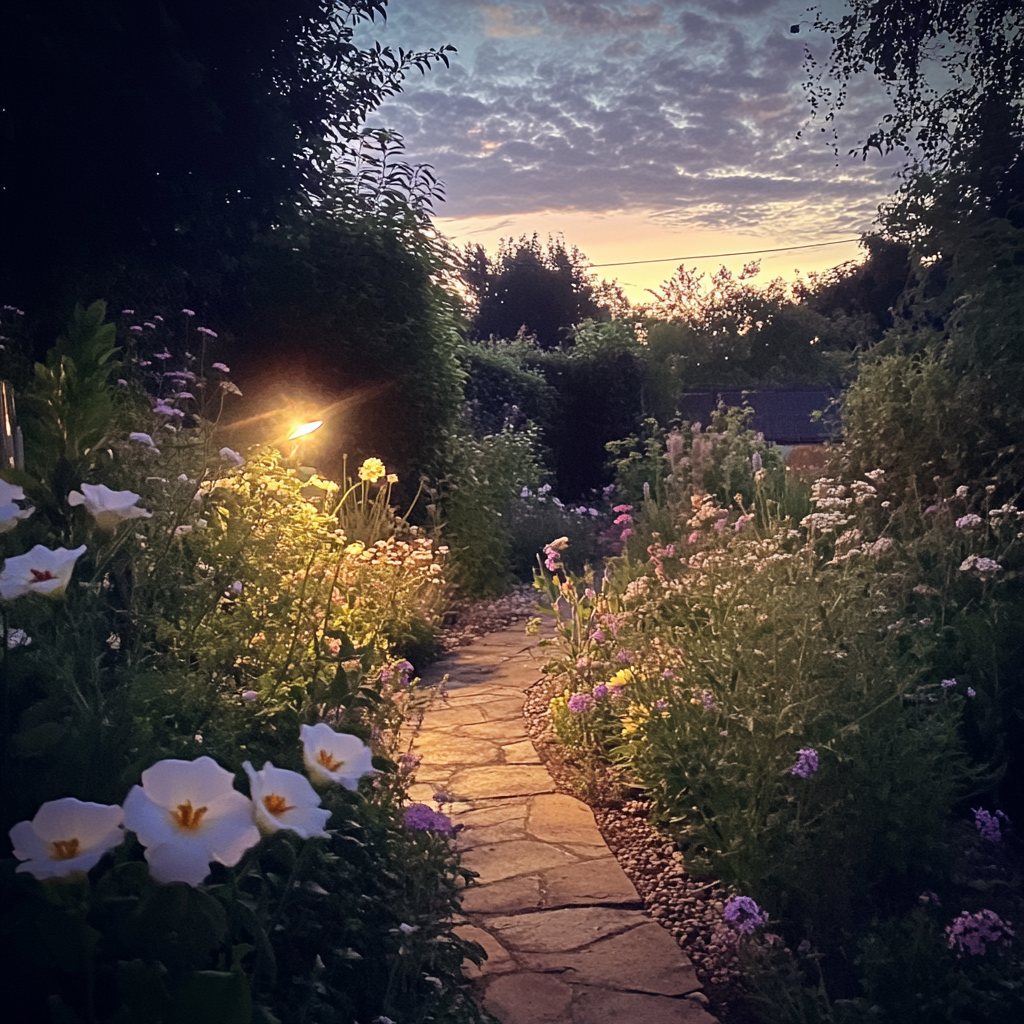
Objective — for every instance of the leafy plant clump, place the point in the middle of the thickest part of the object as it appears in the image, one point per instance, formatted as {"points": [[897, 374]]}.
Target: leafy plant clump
{"points": [[814, 704], [179, 619]]}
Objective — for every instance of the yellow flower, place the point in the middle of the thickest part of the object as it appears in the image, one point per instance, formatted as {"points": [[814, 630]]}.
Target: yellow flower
{"points": [[372, 470], [621, 678]]}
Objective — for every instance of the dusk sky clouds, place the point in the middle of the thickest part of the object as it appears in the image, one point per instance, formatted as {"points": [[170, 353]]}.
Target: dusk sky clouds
{"points": [[639, 130]]}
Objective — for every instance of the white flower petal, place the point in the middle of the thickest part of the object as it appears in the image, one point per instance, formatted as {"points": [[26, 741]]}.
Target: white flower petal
{"points": [[27, 843], [178, 862], [10, 492], [333, 757], [285, 799], [172, 782], [149, 821], [88, 822]]}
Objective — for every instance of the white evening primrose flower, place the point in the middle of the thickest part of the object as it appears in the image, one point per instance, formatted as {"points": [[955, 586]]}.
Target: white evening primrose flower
{"points": [[10, 492], [335, 756], [107, 507], [230, 455], [41, 571], [11, 515], [284, 799], [186, 814], [66, 836]]}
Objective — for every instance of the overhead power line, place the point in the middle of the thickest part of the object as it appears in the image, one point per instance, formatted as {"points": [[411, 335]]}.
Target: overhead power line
{"points": [[717, 255]]}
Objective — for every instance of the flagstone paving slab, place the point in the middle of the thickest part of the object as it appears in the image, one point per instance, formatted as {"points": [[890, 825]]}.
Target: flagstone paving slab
{"points": [[564, 929]]}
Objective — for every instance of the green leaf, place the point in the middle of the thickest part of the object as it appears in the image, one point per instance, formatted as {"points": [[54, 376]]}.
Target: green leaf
{"points": [[211, 997]]}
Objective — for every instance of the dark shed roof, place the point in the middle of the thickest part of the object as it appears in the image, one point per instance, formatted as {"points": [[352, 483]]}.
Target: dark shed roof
{"points": [[782, 415]]}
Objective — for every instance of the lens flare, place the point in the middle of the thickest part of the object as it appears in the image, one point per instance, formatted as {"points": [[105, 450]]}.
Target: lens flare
{"points": [[304, 429]]}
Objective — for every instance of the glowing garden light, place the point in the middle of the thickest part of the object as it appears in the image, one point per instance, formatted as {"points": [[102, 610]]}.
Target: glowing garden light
{"points": [[305, 429]]}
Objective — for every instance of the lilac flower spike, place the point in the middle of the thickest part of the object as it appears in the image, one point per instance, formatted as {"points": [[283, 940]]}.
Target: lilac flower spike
{"points": [[806, 763]]}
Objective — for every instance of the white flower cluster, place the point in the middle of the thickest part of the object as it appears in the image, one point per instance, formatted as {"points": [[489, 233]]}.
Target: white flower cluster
{"points": [[188, 814]]}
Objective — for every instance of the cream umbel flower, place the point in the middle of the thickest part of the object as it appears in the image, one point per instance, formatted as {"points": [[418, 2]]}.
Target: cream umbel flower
{"points": [[66, 836], [108, 507], [186, 814], [41, 571], [284, 799], [335, 756]]}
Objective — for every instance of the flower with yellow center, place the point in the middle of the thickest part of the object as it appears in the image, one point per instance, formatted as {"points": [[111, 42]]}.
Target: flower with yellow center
{"points": [[284, 799], [187, 814], [372, 470], [335, 757], [66, 836]]}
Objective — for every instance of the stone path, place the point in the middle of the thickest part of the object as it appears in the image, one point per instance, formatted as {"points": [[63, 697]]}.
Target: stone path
{"points": [[566, 936]]}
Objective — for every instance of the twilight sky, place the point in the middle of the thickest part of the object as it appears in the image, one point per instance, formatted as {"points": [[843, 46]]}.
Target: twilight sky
{"points": [[638, 129]]}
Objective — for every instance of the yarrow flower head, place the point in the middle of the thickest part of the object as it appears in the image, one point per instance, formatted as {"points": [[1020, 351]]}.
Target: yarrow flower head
{"points": [[968, 522], [971, 933], [744, 914], [982, 566], [66, 836], [578, 703], [372, 470], [806, 763], [422, 817]]}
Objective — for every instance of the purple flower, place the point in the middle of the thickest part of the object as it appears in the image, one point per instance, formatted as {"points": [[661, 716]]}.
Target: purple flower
{"points": [[147, 323], [624, 656], [971, 691], [668, 674], [623, 508], [755, 462], [626, 534], [988, 824], [135, 328], [624, 519], [968, 521], [249, 696], [744, 914], [971, 933], [162, 355], [597, 636], [931, 510], [206, 331], [660, 704], [580, 702], [600, 691], [189, 312], [806, 763], [947, 683], [221, 367], [616, 691], [386, 674], [125, 312], [424, 818], [159, 319], [708, 702]]}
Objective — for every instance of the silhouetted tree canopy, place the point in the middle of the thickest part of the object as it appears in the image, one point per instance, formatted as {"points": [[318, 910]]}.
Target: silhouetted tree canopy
{"points": [[954, 70], [170, 132], [543, 291]]}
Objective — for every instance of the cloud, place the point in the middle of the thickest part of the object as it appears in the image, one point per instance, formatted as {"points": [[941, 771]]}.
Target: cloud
{"points": [[688, 108]]}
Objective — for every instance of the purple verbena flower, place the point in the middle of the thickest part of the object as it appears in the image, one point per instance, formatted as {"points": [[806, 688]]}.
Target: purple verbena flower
{"points": [[948, 683], [423, 818], [600, 691], [744, 914], [971, 933], [988, 824], [189, 312], [806, 763], [968, 521], [578, 703], [971, 691], [597, 636]]}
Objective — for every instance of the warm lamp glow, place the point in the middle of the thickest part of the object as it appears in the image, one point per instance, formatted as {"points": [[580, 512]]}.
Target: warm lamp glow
{"points": [[304, 429]]}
